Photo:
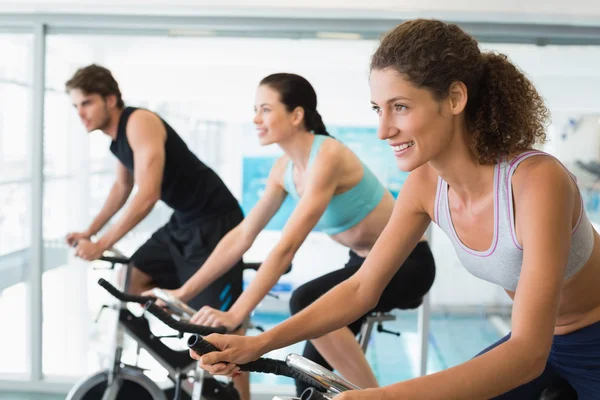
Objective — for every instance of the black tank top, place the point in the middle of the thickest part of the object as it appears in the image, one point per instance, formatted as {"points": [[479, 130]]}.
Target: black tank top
{"points": [[189, 186]]}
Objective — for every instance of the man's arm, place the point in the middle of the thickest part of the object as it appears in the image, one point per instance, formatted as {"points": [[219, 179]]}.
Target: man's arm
{"points": [[120, 191], [146, 135], [118, 195]]}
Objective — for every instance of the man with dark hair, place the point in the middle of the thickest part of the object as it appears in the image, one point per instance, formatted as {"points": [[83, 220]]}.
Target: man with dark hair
{"points": [[153, 156]]}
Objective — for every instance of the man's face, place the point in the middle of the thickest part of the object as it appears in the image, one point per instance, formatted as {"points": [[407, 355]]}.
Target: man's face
{"points": [[91, 108]]}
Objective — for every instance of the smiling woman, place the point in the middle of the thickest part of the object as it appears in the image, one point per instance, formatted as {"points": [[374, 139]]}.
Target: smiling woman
{"points": [[464, 123], [334, 193]]}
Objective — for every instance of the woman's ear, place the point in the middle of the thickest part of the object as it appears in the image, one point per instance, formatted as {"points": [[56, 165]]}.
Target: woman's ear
{"points": [[458, 97], [298, 116]]}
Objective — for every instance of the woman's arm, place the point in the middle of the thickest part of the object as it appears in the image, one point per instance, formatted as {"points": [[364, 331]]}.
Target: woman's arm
{"points": [[544, 208], [322, 182], [236, 242], [346, 301]]}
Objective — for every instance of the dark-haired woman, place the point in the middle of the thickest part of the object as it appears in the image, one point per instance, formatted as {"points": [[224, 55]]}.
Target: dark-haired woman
{"points": [[335, 194], [465, 122]]}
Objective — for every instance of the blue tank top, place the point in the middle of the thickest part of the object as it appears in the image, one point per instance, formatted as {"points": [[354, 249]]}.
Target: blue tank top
{"points": [[345, 209]]}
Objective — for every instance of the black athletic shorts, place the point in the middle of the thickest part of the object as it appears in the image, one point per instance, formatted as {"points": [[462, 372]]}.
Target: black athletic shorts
{"points": [[178, 249]]}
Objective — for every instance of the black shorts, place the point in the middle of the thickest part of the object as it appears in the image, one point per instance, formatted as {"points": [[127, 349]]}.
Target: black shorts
{"points": [[405, 291], [177, 250]]}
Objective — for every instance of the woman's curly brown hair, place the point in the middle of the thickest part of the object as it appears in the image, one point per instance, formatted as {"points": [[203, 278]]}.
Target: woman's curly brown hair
{"points": [[504, 114]]}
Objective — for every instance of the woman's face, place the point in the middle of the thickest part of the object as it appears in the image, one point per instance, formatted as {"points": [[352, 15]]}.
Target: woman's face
{"points": [[273, 121], [411, 120]]}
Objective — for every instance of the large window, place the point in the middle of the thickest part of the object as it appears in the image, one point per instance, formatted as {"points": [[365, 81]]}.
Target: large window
{"points": [[15, 196]]}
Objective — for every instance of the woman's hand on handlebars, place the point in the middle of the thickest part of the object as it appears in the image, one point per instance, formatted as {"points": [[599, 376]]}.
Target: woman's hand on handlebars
{"points": [[177, 293], [89, 250], [208, 316], [235, 350], [74, 237]]}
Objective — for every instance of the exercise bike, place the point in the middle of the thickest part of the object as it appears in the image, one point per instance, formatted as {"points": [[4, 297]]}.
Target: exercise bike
{"points": [[123, 381], [325, 385]]}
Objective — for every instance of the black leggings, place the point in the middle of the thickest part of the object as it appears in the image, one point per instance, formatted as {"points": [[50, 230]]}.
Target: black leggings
{"points": [[412, 281]]}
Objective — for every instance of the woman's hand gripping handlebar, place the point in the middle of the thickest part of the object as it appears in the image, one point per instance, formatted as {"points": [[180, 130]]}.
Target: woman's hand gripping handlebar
{"points": [[158, 312], [262, 365]]}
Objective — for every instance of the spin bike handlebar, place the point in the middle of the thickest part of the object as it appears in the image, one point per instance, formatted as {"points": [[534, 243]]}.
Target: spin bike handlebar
{"points": [[149, 304], [117, 259], [201, 346], [334, 383], [263, 365], [327, 379], [295, 366]]}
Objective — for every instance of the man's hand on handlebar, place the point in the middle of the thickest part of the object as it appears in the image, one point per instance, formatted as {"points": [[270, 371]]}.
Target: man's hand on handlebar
{"points": [[89, 250], [235, 350], [74, 237], [208, 316]]}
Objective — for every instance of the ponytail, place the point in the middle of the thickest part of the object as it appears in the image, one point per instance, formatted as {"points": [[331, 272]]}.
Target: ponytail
{"points": [[506, 115], [314, 123]]}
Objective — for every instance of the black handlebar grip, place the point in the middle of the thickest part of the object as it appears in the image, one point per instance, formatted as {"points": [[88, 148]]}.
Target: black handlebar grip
{"points": [[312, 394], [158, 312], [182, 326], [200, 346], [115, 260], [262, 365], [130, 298]]}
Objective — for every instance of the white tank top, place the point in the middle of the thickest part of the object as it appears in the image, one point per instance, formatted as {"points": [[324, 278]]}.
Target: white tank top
{"points": [[501, 262]]}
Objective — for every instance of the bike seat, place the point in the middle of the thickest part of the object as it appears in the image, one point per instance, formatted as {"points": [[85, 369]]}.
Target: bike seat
{"points": [[559, 390], [416, 303]]}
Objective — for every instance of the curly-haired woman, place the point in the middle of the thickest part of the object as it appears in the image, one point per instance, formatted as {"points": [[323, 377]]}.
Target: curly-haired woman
{"points": [[465, 123]]}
